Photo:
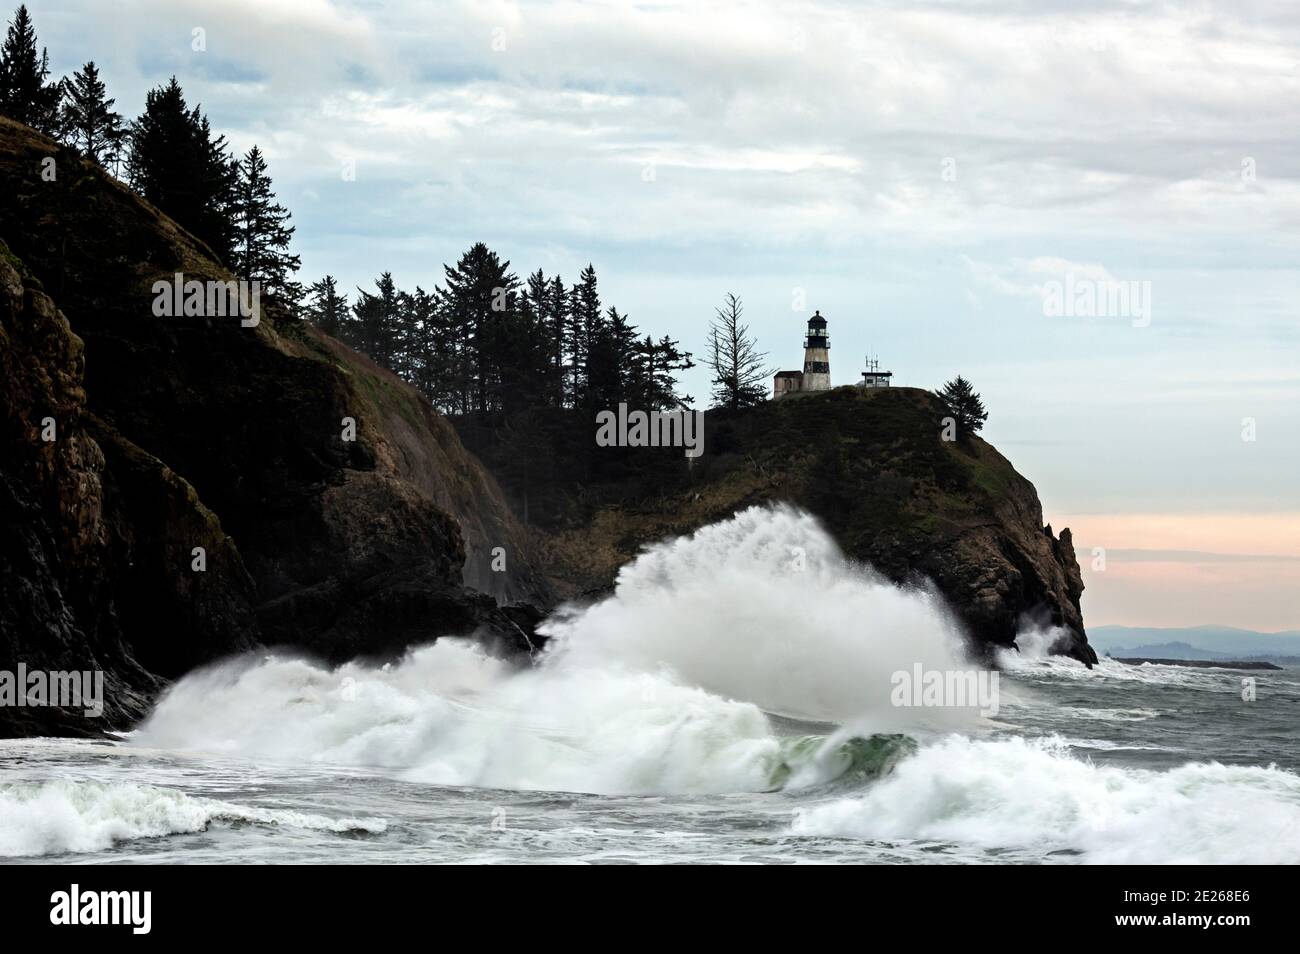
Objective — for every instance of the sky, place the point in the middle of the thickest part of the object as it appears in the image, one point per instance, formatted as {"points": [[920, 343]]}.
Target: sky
{"points": [[935, 178]]}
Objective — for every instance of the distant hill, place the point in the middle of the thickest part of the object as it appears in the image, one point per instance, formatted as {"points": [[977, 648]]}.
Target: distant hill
{"points": [[1178, 650], [1194, 642]]}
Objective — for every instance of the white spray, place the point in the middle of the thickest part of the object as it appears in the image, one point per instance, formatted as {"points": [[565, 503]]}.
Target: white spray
{"points": [[662, 687]]}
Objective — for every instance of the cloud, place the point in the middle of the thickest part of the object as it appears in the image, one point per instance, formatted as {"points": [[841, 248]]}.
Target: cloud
{"points": [[1027, 278], [1131, 555], [841, 116]]}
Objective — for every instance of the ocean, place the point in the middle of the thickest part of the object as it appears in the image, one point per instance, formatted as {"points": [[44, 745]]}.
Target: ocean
{"points": [[733, 701]]}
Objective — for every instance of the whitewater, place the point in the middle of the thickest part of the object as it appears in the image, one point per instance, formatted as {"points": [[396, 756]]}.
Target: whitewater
{"points": [[730, 701]]}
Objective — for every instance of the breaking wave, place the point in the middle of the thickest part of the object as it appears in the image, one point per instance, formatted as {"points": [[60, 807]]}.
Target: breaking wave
{"points": [[43, 818], [667, 686], [1033, 797]]}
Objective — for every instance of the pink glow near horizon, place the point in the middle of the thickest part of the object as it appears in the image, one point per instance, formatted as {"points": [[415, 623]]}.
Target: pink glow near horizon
{"points": [[1235, 569]]}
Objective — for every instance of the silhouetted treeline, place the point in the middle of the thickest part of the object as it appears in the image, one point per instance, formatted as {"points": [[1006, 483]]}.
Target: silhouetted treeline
{"points": [[484, 341], [170, 155], [481, 341]]}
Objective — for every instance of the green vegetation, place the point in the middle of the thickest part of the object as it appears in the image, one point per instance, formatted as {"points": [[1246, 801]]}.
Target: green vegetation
{"points": [[964, 406]]}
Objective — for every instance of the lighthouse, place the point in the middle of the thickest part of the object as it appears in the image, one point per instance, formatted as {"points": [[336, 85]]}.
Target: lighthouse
{"points": [[816, 355], [816, 373]]}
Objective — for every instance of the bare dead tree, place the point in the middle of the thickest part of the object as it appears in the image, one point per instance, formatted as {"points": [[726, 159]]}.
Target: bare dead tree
{"points": [[739, 369]]}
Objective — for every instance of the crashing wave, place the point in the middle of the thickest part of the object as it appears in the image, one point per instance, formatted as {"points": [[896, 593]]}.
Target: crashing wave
{"points": [[43, 818]]}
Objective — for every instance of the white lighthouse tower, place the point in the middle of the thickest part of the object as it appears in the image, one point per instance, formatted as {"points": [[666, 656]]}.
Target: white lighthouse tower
{"points": [[816, 356]]}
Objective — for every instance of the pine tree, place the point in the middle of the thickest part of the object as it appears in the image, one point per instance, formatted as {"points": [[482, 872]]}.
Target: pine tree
{"points": [[613, 367], [559, 324], [24, 93], [218, 179], [964, 406], [406, 338], [586, 325], [549, 326], [377, 321], [327, 309], [89, 123], [524, 361], [604, 378], [656, 363], [177, 165], [739, 373], [426, 347], [263, 232], [479, 297]]}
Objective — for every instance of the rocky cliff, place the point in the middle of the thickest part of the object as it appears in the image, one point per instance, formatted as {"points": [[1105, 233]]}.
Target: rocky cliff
{"points": [[870, 464], [177, 433]]}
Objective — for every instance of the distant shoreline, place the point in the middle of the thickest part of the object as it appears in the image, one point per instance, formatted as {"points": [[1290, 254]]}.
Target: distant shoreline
{"points": [[1199, 663]]}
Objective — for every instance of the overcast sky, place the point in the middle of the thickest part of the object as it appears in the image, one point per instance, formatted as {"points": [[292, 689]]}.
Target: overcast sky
{"points": [[921, 173]]}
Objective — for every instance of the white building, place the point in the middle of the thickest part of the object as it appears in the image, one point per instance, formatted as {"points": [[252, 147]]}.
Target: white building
{"points": [[873, 377]]}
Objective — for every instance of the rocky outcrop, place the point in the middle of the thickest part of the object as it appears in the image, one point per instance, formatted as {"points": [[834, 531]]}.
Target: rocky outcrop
{"points": [[336, 511], [872, 465], [94, 577]]}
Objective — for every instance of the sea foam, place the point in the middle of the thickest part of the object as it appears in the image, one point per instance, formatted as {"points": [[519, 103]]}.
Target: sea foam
{"points": [[1035, 797], [664, 687], [43, 818]]}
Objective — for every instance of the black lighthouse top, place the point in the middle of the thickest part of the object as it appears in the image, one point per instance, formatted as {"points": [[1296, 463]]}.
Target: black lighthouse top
{"points": [[816, 336]]}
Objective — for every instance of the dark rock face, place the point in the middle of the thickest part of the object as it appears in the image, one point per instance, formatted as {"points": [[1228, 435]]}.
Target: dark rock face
{"points": [[187, 432], [93, 572]]}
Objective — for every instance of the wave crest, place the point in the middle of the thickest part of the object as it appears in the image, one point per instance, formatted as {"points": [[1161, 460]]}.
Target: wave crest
{"points": [[1032, 795], [43, 818]]}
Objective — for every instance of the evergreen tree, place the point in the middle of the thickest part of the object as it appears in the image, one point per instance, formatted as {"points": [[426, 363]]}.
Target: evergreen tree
{"points": [[549, 327], [626, 349], [24, 93], [480, 295], [375, 330], [263, 232], [89, 123], [558, 312], [964, 406], [525, 359], [327, 309], [586, 327], [179, 166], [603, 386], [426, 346], [405, 362], [739, 373], [657, 363], [614, 370]]}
